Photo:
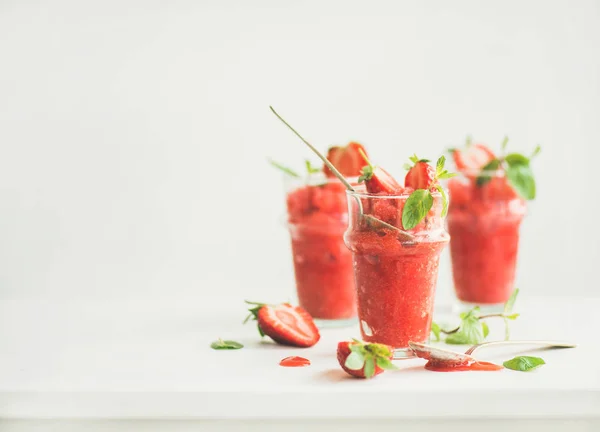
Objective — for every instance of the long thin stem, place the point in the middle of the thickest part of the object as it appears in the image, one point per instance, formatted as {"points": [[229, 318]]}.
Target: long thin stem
{"points": [[317, 152]]}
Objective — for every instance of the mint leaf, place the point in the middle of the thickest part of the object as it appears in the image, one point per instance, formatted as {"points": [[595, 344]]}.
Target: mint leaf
{"points": [[285, 169], [504, 143], [486, 329], [436, 330], [508, 306], [444, 199], [471, 329], [446, 175], [386, 364], [516, 159], [221, 344], [355, 361], [416, 208], [311, 169], [524, 363], [485, 176], [521, 178], [536, 151], [439, 167], [369, 367]]}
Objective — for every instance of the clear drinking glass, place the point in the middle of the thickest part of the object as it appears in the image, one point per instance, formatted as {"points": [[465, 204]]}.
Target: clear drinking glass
{"points": [[484, 220], [395, 271], [317, 216]]}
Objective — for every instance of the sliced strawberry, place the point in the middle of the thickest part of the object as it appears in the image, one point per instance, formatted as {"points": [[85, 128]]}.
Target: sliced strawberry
{"points": [[380, 181], [347, 160], [376, 354], [285, 324], [420, 176], [473, 158]]}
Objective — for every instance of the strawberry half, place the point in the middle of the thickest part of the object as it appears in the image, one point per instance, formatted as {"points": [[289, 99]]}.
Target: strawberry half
{"points": [[421, 176], [364, 360], [347, 160], [285, 324], [472, 158], [377, 180]]}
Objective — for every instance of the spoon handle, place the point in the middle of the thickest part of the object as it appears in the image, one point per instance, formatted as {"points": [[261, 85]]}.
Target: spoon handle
{"points": [[546, 343]]}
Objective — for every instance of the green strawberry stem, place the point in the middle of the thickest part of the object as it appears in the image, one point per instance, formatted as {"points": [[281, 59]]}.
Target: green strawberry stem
{"points": [[341, 178]]}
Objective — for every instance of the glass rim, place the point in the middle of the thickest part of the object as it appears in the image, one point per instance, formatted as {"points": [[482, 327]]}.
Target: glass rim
{"points": [[358, 194]]}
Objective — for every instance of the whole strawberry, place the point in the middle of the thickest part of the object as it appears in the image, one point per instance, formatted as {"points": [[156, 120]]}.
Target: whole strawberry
{"points": [[364, 360], [285, 324]]}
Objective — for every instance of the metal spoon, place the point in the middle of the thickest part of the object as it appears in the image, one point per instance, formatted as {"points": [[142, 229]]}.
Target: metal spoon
{"points": [[429, 352]]}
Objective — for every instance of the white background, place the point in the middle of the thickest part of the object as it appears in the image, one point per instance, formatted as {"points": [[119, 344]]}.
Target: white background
{"points": [[134, 134]]}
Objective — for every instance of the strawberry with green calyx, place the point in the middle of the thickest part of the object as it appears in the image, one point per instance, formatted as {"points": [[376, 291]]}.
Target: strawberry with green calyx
{"points": [[348, 159], [377, 180], [364, 360], [499, 174], [423, 178], [285, 324]]}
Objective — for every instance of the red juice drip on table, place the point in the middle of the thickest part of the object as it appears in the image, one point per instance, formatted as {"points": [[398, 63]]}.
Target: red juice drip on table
{"points": [[453, 366], [294, 361]]}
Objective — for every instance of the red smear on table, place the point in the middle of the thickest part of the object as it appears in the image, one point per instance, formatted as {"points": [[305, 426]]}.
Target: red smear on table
{"points": [[453, 366], [294, 361]]}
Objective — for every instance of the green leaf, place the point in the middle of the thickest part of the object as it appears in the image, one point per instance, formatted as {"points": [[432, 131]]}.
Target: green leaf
{"points": [[536, 151], [416, 208], [471, 330], [407, 167], [446, 175], [386, 364], [485, 176], [444, 199], [468, 141], [524, 363], [504, 143], [513, 159], [311, 169], [369, 367], [285, 169], [512, 316], [414, 158], [436, 330], [355, 361], [451, 150], [439, 167], [521, 178], [486, 329], [221, 344], [510, 303]]}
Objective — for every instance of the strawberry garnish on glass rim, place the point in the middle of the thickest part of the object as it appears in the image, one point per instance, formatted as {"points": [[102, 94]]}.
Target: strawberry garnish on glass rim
{"points": [[364, 360], [472, 158], [508, 169], [378, 180], [285, 324], [347, 160]]}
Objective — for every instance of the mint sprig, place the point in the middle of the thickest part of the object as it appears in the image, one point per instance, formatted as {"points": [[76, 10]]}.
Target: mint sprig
{"points": [[221, 344], [517, 168], [472, 329], [524, 363], [369, 355], [285, 169], [420, 201], [310, 169]]}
